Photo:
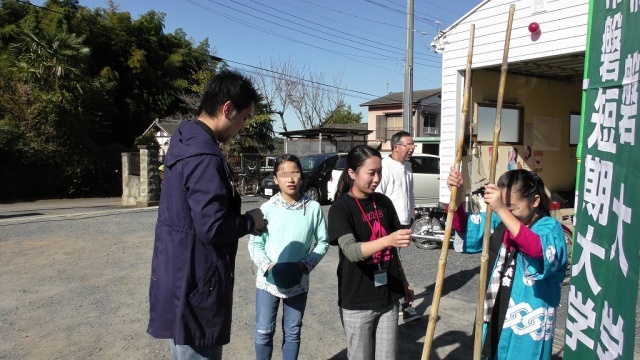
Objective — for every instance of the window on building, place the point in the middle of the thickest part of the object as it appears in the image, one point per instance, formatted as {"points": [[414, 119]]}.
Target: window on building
{"points": [[394, 124], [430, 127], [430, 120], [511, 124]]}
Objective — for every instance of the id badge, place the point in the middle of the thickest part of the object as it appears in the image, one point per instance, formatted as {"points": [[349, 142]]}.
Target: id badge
{"points": [[380, 278]]}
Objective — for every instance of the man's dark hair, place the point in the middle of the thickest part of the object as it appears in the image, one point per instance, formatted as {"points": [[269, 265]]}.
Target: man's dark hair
{"points": [[395, 139], [228, 85]]}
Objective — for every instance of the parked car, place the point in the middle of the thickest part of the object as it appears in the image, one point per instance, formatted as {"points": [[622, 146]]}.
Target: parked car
{"points": [[332, 184], [317, 172], [426, 177]]}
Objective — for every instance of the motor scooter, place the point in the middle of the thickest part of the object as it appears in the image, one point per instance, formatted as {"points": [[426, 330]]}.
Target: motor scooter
{"points": [[427, 230]]}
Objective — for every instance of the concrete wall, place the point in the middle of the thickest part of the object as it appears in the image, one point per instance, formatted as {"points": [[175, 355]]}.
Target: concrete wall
{"points": [[141, 185]]}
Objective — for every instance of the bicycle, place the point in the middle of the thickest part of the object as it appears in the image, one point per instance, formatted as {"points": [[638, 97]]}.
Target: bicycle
{"points": [[248, 182]]}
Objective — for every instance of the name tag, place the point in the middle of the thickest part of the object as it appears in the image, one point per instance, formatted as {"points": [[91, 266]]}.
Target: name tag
{"points": [[380, 278]]}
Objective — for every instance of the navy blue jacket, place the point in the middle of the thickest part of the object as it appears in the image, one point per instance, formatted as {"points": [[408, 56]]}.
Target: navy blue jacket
{"points": [[196, 240]]}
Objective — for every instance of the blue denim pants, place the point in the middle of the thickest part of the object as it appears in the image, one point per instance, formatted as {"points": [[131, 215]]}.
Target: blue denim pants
{"points": [[266, 312], [193, 352]]}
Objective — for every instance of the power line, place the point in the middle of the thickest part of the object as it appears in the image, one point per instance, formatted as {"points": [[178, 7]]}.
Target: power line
{"points": [[352, 57], [444, 8], [403, 12], [355, 16], [354, 93], [332, 88], [334, 20], [333, 41], [421, 15], [332, 29]]}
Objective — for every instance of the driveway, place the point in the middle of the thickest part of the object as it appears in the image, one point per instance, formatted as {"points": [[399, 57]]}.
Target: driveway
{"points": [[75, 277]]}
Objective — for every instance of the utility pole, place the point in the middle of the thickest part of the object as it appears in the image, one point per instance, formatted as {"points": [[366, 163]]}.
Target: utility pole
{"points": [[407, 98]]}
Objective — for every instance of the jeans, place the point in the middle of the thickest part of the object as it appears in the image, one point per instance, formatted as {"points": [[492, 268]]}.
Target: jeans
{"points": [[193, 352], [266, 312]]}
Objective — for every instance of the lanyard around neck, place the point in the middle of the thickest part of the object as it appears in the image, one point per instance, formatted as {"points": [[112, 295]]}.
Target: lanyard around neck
{"points": [[366, 217]]}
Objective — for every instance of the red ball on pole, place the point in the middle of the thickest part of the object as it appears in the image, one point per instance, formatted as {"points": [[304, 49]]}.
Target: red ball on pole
{"points": [[534, 27]]}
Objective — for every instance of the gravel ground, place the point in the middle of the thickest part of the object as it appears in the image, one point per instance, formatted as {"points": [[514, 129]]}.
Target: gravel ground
{"points": [[75, 280]]}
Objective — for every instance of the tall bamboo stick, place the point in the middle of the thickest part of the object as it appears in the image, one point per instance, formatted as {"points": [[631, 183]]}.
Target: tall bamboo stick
{"points": [[477, 345], [442, 264]]}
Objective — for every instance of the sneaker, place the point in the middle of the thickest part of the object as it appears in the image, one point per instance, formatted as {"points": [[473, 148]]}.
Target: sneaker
{"points": [[410, 314]]}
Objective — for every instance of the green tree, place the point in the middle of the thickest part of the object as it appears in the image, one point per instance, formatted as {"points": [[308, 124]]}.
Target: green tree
{"points": [[343, 115], [78, 85]]}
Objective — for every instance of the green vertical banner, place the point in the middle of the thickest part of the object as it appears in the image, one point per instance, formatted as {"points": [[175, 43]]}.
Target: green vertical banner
{"points": [[604, 278]]}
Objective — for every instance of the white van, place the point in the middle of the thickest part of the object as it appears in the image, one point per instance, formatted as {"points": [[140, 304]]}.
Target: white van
{"points": [[426, 178], [332, 184]]}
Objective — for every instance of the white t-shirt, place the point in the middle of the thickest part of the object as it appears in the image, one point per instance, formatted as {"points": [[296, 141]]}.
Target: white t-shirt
{"points": [[397, 184]]}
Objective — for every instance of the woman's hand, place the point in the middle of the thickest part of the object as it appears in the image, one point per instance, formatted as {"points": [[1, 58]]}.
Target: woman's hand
{"points": [[409, 295], [400, 238], [493, 197], [454, 179], [303, 268]]}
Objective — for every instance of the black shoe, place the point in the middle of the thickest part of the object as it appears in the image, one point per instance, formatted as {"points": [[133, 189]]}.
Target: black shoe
{"points": [[410, 314]]}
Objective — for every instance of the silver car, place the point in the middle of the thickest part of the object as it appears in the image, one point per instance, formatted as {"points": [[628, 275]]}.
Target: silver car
{"points": [[426, 177]]}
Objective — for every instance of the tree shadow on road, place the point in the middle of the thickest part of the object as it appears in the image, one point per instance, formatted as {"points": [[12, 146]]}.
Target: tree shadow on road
{"points": [[451, 283], [342, 355], [412, 333], [413, 349]]}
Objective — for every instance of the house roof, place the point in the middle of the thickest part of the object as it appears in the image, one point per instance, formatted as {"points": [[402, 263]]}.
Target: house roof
{"points": [[395, 98], [359, 129], [168, 125], [356, 126]]}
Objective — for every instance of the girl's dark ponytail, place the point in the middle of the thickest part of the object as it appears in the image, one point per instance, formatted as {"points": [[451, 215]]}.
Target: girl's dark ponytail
{"points": [[344, 183]]}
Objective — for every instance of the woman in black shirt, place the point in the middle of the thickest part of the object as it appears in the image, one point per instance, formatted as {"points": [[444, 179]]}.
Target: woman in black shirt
{"points": [[370, 278]]}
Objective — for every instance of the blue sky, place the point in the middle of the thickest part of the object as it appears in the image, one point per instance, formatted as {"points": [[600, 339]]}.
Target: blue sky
{"points": [[361, 41]]}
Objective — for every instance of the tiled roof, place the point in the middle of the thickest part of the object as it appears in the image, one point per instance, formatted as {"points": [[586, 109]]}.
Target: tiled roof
{"points": [[356, 126], [395, 98], [169, 125]]}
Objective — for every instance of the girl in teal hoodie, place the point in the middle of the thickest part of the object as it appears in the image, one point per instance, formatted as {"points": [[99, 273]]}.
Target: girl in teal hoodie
{"points": [[294, 244]]}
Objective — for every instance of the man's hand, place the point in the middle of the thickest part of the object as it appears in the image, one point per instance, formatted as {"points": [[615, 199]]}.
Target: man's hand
{"points": [[258, 219]]}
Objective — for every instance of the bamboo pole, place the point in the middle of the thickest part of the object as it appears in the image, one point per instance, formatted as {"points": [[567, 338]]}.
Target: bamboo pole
{"points": [[442, 263], [477, 345]]}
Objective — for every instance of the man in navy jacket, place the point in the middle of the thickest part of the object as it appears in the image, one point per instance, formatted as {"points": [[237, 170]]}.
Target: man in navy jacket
{"points": [[199, 224]]}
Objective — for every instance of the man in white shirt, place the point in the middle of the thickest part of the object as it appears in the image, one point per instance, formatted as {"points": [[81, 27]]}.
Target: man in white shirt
{"points": [[397, 183], [397, 177]]}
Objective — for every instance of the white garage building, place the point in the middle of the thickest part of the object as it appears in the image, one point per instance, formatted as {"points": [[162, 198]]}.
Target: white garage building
{"points": [[543, 88]]}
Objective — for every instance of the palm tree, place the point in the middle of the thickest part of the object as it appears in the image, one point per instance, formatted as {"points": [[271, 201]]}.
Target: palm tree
{"points": [[54, 61]]}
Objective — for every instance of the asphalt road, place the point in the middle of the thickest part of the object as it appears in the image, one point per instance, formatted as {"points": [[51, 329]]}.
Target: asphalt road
{"points": [[86, 219]]}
